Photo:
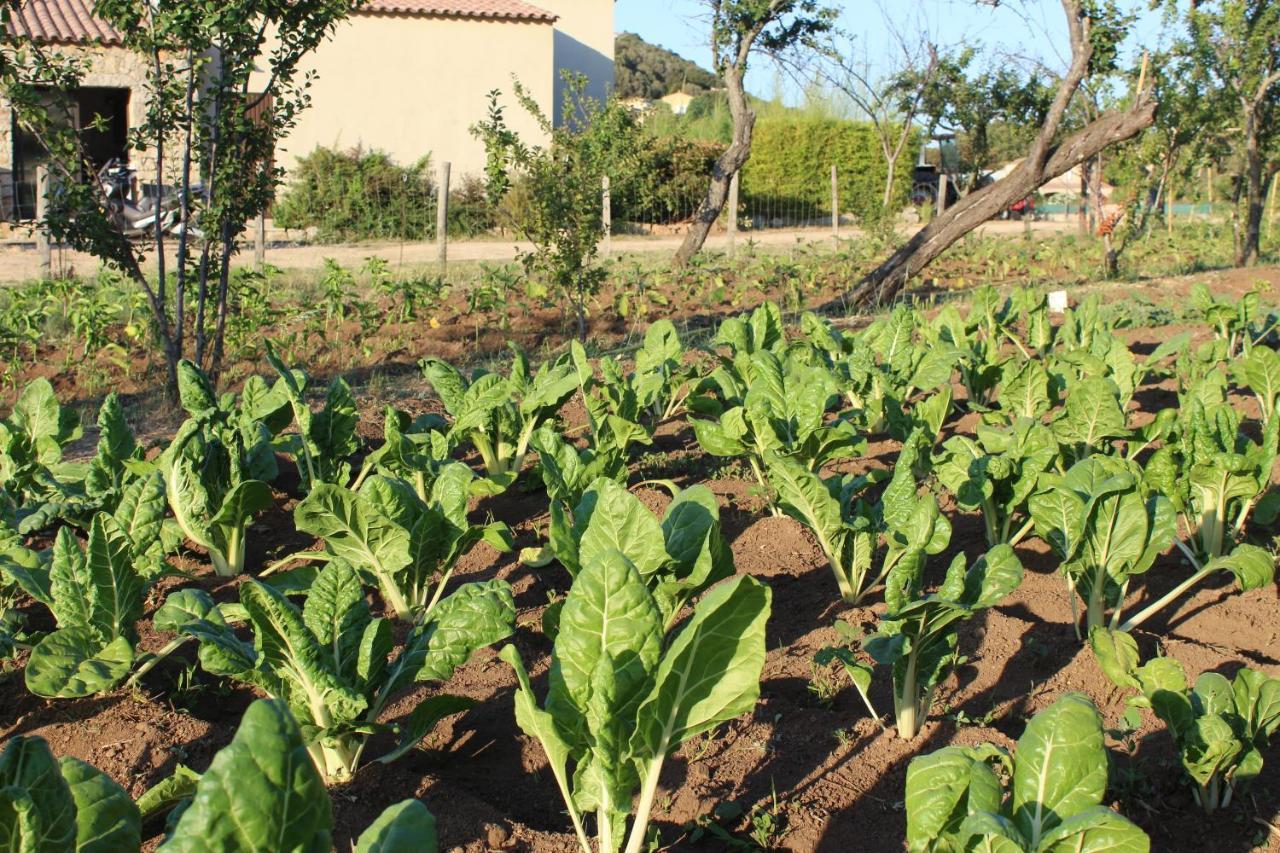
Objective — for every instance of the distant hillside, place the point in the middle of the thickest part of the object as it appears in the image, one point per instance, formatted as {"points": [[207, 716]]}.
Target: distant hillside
{"points": [[645, 70]]}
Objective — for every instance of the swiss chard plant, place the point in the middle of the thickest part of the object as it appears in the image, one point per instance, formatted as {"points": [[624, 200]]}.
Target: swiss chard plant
{"points": [[783, 412], [568, 471], [32, 439], [1220, 726], [655, 391], [415, 450], [995, 472], [62, 804], [260, 793], [678, 556], [254, 418], [850, 528], [325, 440], [207, 479], [1240, 325], [891, 381], [499, 414], [332, 662], [918, 634], [623, 696], [80, 490], [1105, 528], [662, 378], [96, 596], [1214, 475], [1260, 373], [405, 546], [956, 799]]}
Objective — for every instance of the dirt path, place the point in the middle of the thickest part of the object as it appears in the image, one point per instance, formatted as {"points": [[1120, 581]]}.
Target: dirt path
{"points": [[20, 262]]}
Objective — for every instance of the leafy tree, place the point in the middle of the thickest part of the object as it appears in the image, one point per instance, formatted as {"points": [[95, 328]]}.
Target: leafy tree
{"points": [[203, 120], [561, 184], [1052, 152], [892, 102], [1234, 52], [980, 107], [738, 29]]}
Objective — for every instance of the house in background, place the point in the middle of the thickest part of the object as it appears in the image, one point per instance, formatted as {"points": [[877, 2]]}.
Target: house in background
{"points": [[678, 101], [409, 77], [112, 90]]}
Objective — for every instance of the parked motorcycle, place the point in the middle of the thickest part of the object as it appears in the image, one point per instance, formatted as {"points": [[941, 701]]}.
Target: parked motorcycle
{"points": [[138, 218]]}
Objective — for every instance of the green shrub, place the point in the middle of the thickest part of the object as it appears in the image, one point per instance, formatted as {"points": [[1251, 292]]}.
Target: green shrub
{"points": [[791, 159], [665, 181], [363, 194]]}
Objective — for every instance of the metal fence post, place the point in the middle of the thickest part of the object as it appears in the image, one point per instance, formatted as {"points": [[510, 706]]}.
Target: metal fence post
{"points": [[44, 247], [606, 216], [733, 213], [442, 216]]}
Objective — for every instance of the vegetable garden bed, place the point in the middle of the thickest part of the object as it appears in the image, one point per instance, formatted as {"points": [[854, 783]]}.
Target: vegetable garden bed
{"points": [[807, 768]]}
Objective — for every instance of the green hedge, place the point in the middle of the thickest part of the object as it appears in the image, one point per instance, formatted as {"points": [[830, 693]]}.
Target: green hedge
{"points": [[791, 160], [665, 182]]}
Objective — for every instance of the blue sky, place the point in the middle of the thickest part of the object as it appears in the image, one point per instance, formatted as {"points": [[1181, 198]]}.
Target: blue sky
{"points": [[1028, 28]]}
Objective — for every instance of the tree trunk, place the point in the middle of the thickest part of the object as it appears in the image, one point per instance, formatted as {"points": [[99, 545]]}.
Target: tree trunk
{"points": [[891, 162], [726, 166], [1254, 195], [886, 280], [1082, 215], [1110, 258]]}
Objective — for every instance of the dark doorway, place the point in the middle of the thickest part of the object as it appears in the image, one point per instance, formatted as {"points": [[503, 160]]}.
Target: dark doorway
{"points": [[102, 116], [104, 123]]}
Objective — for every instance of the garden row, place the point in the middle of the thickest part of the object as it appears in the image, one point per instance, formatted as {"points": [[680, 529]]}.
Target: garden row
{"points": [[659, 638]]}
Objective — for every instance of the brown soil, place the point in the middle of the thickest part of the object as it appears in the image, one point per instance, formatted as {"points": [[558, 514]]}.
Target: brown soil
{"points": [[832, 779]]}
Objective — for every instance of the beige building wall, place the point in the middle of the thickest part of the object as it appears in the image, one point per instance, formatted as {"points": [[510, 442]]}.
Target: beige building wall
{"points": [[413, 86], [583, 43]]}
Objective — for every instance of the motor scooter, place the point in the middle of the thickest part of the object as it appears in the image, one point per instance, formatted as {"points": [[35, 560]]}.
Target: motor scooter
{"points": [[138, 218]]}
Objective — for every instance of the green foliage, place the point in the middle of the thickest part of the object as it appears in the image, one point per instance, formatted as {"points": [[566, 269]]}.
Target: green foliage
{"points": [[325, 440], [561, 185], [52, 805], [996, 471], [1220, 726], [791, 162], [260, 794], [330, 660], [678, 556], [918, 634], [1058, 778], [212, 493], [1104, 527], [359, 195], [32, 439], [622, 697], [499, 414], [850, 528], [407, 545], [363, 194], [96, 597]]}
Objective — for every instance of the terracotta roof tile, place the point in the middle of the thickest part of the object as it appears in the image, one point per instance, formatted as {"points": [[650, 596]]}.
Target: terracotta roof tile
{"points": [[510, 10], [73, 21], [62, 21]]}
